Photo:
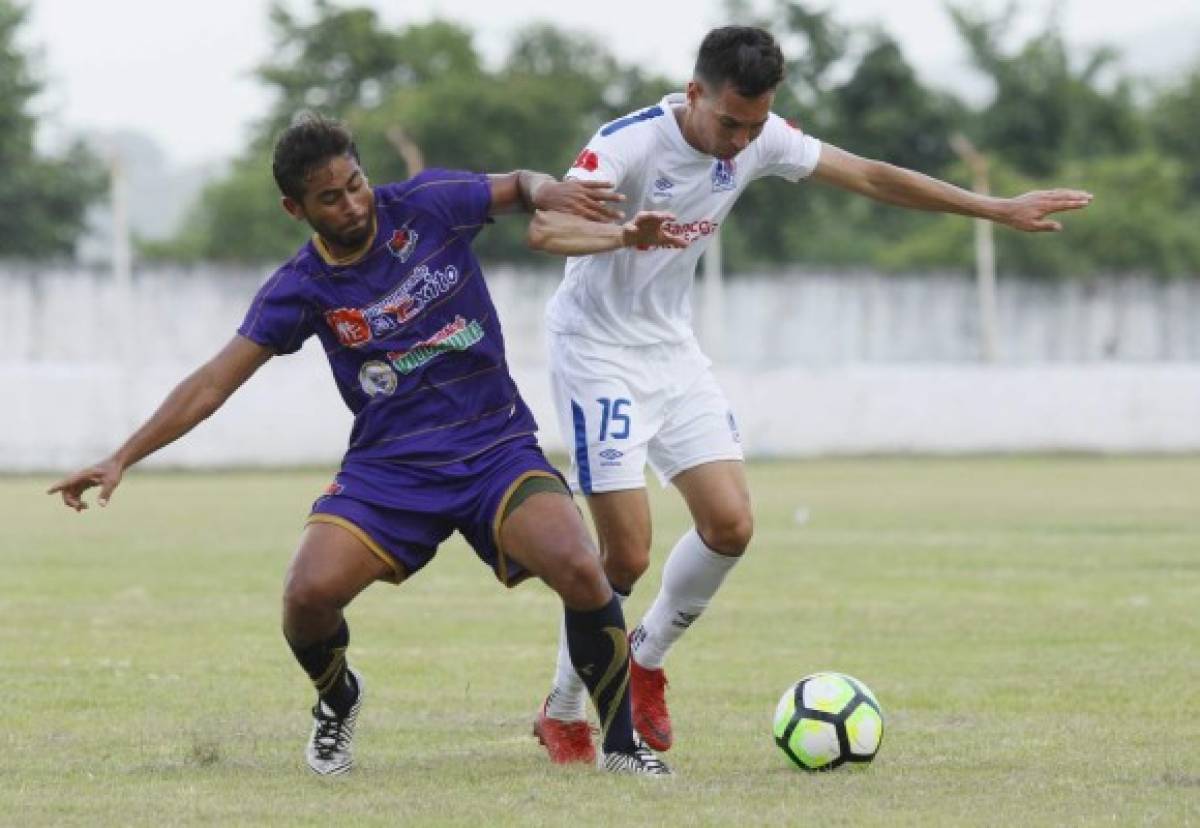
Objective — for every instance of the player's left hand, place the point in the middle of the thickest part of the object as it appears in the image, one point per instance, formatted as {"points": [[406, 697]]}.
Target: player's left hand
{"points": [[105, 474], [649, 228], [1028, 212], [589, 199]]}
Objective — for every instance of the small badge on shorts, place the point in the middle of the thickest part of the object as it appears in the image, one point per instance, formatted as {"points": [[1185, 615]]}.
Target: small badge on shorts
{"points": [[611, 456], [733, 427]]}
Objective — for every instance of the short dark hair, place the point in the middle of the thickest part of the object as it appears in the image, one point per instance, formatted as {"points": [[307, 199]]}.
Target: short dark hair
{"points": [[308, 143], [745, 56]]}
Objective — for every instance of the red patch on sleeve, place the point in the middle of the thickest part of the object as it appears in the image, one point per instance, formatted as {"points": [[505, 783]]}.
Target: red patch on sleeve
{"points": [[587, 160]]}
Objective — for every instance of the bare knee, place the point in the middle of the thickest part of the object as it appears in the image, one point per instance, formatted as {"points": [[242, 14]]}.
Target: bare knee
{"points": [[308, 601], [728, 533], [579, 579], [625, 563]]}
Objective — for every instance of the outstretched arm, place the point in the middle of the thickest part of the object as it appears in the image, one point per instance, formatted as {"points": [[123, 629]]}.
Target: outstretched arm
{"points": [[192, 401], [906, 188], [568, 235], [527, 191]]}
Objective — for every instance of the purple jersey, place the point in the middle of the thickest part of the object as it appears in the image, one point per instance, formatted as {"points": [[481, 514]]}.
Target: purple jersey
{"points": [[409, 327]]}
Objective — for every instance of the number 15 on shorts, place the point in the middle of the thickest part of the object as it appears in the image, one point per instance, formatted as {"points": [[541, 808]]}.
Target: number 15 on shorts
{"points": [[614, 418]]}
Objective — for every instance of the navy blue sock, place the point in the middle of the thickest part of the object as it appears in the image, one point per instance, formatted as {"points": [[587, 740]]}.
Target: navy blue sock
{"points": [[599, 648], [325, 663]]}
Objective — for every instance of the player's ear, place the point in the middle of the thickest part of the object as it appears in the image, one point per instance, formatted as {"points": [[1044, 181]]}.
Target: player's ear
{"points": [[695, 90], [292, 208]]}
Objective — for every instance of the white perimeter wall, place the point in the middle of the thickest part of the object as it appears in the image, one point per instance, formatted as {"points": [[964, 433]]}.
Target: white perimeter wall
{"points": [[813, 364]]}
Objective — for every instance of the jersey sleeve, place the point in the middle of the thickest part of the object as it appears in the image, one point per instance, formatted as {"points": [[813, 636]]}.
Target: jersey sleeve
{"points": [[608, 156], [279, 318], [786, 151], [459, 199]]}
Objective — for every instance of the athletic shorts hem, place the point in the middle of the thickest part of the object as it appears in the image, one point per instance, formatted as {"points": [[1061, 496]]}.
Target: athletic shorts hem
{"points": [[498, 519], [398, 571], [607, 486], [665, 476]]}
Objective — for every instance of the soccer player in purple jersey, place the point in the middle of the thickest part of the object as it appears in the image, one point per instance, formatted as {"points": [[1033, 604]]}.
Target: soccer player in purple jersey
{"points": [[442, 440]]}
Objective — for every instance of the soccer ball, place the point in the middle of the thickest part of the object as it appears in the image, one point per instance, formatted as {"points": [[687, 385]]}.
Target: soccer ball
{"points": [[828, 719]]}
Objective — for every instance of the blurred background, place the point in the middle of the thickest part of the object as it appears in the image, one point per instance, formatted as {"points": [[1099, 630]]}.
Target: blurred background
{"points": [[140, 214]]}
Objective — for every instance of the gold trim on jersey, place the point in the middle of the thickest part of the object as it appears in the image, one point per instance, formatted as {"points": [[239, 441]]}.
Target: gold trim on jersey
{"points": [[351, 257], [399, 574]]}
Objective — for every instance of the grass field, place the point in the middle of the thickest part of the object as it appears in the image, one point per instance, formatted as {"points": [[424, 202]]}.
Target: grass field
{"points": [[1030, 625]]}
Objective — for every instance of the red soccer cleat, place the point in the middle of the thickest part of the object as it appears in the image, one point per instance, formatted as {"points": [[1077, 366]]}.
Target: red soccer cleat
{"points": [[650, 715], [566, 742]]}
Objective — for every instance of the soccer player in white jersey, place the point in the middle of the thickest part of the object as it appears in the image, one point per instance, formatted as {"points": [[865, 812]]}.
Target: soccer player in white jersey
{"points": [[630, 382]]}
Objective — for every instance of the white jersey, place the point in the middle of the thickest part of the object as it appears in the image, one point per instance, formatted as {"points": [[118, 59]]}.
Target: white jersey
{"points": [[641, 297]]}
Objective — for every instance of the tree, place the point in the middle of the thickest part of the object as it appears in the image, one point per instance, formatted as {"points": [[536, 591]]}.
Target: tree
{"points": [[881, 110], [42, 200], [1175, 123], [1045, 111], [535, 112]]}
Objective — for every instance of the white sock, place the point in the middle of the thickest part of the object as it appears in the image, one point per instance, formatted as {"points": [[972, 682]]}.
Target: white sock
{"points": [[692, 575], [568, 698]]}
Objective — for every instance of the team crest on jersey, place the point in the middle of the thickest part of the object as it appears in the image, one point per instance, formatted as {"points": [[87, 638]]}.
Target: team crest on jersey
{"points": [[377, 378], [724, 175], [334, 488], [402, 242], [587, 160], [350, 326]]}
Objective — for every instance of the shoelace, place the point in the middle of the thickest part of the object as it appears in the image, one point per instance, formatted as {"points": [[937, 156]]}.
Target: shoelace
{"points": [[648, 761], [331, 736], [640, 760]]}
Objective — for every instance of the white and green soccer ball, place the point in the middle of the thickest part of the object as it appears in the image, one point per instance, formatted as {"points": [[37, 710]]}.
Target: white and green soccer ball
{"points": [[826, 720]]}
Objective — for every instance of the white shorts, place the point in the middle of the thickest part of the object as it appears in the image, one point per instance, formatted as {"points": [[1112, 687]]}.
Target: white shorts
{"points": [[620, 407]]}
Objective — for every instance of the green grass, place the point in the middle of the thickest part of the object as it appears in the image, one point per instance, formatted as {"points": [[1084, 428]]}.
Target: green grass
{"points": [[1030, 625]]}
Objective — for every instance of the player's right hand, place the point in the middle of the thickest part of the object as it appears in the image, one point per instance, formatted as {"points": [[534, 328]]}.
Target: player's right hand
{"points": [[651, 228], [588, 199], [106, 475]]}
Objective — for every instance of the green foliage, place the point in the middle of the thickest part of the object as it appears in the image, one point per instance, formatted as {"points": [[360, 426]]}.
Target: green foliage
{"points": [[1141, 221], [42, 200], [534, 112], [1175, 123], [1054, 119], [1045, 110], [237, 218]]}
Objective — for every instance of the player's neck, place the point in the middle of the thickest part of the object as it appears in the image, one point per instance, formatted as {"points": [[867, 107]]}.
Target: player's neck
{"points": [[682, 114]]}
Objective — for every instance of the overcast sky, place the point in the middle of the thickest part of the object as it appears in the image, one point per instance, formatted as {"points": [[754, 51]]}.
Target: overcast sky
{"points": [[181, 72]]}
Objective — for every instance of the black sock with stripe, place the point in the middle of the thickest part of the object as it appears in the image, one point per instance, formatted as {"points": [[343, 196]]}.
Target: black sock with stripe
{"points": [[599, 648], [325, 664]]}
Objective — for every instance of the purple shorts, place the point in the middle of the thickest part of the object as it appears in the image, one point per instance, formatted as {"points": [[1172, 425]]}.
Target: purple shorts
{"points": [[404, 512]]}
